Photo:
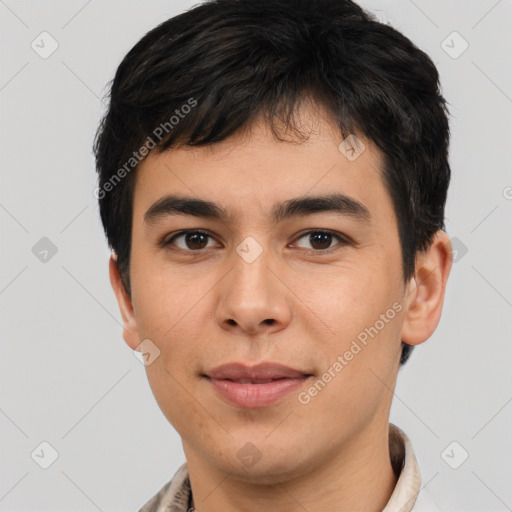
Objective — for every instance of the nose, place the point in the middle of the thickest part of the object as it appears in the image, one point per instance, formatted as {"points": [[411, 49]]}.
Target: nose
{"points": [[252, 297]]}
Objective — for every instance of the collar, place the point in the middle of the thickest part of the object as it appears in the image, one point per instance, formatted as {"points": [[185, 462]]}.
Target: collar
{"points": [[176, 495]]}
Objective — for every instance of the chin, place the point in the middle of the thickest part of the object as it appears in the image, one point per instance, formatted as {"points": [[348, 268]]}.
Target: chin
{"points": [[266, 470]]}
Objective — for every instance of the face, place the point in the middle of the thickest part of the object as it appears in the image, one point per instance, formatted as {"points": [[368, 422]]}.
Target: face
{"points": [[317, 289]]}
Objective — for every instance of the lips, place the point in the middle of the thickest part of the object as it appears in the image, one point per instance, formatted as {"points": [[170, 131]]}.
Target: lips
{"points": [[257, 386]]}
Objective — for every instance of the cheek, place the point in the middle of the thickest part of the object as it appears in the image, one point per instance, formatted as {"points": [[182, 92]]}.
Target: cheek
{"points": [[365, 314], [350, 299], [174, 311], [178, 406], [162, 297]]}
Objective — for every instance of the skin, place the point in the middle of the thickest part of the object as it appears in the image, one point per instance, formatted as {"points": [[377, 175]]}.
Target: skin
{"points": [[209, 307]]}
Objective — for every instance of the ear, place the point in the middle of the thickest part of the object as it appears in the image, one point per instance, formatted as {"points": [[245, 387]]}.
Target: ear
{"points": [[425, 291], [130, 329]]}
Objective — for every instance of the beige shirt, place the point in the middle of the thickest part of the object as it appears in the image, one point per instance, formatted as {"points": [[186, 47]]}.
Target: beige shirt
{"points": [[176, 495]]}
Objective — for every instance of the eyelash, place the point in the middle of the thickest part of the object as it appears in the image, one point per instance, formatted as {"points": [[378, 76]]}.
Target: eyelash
{"points": [[343, 240]]}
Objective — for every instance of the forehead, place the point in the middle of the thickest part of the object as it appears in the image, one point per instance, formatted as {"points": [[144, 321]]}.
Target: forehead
{"points": [[252, 173]]}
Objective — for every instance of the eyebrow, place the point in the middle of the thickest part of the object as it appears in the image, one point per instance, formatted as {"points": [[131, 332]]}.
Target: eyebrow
{"points": [[296, 207]]}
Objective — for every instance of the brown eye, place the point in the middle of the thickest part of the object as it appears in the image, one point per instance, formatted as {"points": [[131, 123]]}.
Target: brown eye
{"points": [[321, 240], [193, 240]]}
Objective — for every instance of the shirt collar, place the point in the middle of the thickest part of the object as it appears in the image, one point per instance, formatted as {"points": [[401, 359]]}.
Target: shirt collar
{"points": [[409, 480], [176, 495]]}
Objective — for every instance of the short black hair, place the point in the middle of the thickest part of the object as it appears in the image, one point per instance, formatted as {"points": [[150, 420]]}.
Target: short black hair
{"points": [[208, 73]]}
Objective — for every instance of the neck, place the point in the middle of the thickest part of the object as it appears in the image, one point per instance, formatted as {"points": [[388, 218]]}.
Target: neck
{"points": [[355, 478]]}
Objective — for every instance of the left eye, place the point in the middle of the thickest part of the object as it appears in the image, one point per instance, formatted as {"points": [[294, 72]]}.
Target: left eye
{"points": [[194, 241], [322, 239]]}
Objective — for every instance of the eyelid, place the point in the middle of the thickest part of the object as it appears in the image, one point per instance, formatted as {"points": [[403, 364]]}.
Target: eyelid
{"points": [[166, 240], [342, 239]]}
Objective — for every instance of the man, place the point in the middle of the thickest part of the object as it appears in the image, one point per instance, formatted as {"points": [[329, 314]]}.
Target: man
{"points": [[273, 177]]}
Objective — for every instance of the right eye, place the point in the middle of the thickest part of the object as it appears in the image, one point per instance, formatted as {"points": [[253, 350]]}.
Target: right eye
{"points": [[193, 240]]}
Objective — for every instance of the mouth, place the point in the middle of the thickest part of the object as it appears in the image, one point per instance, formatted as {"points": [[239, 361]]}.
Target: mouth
{"points": [[253, 381], [257, 386]]}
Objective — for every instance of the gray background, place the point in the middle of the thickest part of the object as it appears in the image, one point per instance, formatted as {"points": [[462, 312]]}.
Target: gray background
{"points": [[69, 379]]}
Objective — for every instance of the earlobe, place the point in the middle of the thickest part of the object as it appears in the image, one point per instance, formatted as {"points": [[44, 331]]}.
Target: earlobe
{"points": [[130, 329], [425, 295]]}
